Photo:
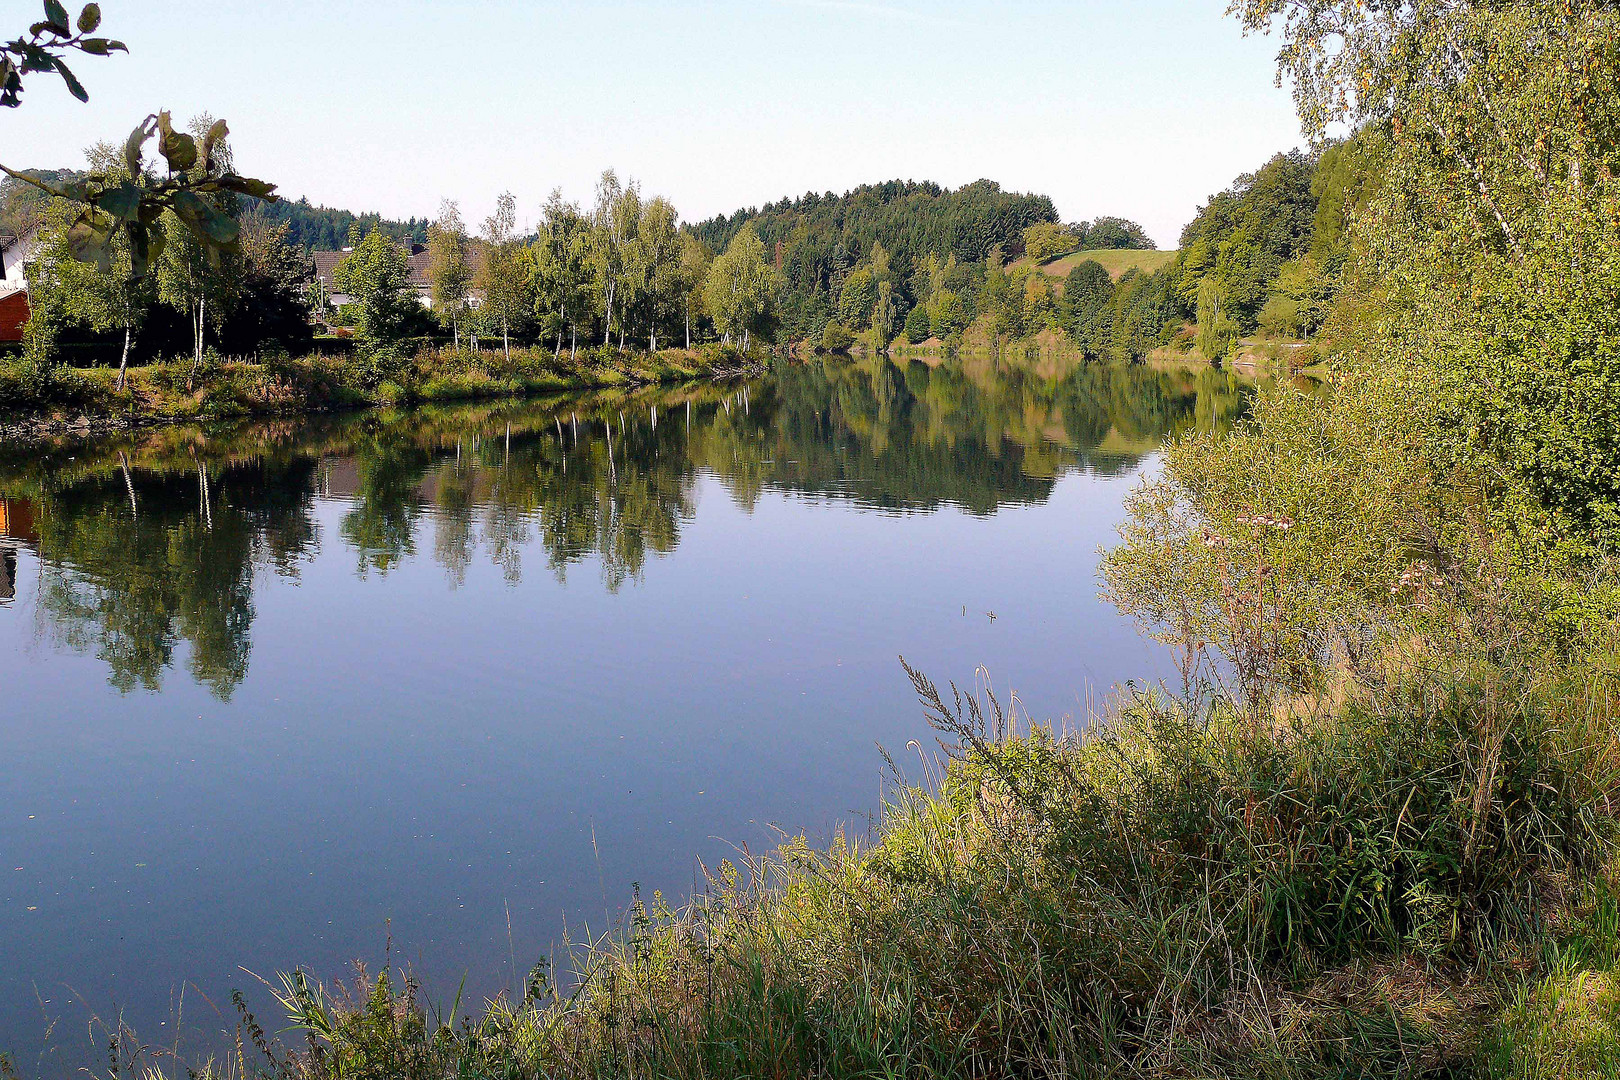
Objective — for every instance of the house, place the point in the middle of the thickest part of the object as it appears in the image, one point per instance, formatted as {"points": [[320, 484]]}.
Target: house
{"points": [[17, 530], [15, 251], [17, 522], [416, 257]]}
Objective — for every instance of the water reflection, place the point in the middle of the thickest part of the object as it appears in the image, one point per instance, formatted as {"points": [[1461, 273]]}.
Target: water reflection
{"points": [[149, 542]]}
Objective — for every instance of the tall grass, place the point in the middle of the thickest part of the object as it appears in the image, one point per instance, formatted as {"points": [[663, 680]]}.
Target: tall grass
{"points": [[1179, 891], [231, 387]]}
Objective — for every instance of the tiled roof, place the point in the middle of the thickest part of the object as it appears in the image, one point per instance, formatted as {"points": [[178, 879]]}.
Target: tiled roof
{"points": [[417, 261]]}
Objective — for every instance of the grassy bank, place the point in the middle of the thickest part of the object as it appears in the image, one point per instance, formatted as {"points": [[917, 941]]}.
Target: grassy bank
{"points": [[1117, 261], [32, 398], [1416, 882]]}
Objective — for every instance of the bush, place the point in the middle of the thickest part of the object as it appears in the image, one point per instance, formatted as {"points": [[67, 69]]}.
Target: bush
{"points": [[918, 326], [836, 337]]}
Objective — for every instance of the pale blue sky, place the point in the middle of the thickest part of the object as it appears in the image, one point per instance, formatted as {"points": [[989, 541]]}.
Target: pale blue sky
{"points": [[1138, 109]]}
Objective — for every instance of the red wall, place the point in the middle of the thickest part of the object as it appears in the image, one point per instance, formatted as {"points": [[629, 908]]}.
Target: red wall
{"points": [[13, 314]]}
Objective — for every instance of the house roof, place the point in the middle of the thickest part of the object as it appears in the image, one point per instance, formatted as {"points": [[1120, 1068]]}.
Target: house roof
{"points": [[416, 260]]}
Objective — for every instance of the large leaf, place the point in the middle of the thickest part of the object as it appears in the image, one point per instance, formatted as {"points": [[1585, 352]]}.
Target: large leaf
{"points": [[207, 222], [211, 140], [145, 248], [122, 201], [89, 18], [132, 147], [178, 148], [75, 87], [246, 185], [57, 17], [87, 239]]}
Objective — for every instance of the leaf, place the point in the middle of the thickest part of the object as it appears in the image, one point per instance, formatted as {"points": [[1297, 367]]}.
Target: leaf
{"points": [[89, 18], [87, 239], [57, 17], [122, 202], [145, 248], [179, 149], [245, 185], [37, 59], [75, 87], [208, 223], [132, 148], [210, 140], [96, 46]]}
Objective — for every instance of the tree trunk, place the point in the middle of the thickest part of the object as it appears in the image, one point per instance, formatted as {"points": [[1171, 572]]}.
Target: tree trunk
{"points": [[197, 355], [561, 318], [506, 340], [688, 326], [652, 341], [745, 339], [607, 323], [573, 342], [129, 485], [123, 361]]}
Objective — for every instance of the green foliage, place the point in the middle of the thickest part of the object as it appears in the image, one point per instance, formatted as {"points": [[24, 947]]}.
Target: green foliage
{"points": [[322, 228], [836, 337], [1112, 233], [450, 275], [741, 287], [1088, 294], [506, 274], [919, 327], [272, 308], [1045, 239], [857, 298], [375, 273], [817, 240]]}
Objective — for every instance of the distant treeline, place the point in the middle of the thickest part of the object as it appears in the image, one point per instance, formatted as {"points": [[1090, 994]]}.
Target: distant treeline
{"points": [[321, 228], [1265, 255], [819, 241]]}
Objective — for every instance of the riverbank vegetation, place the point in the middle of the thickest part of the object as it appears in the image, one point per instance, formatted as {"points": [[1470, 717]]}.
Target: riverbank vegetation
{"points": [[1372, 832]]}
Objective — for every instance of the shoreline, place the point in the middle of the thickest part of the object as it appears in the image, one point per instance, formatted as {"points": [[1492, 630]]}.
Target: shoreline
{"points": [[317, 385]]}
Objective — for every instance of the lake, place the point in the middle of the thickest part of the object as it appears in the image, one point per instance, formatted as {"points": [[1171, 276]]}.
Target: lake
{"points": [[442, 686]]}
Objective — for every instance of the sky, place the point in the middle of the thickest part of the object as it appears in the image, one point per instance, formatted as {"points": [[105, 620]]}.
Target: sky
{"points": [[1138, 109]]}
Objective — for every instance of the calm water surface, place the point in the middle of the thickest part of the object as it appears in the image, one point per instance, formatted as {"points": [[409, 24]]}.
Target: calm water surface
{"points": [[272, 694]]}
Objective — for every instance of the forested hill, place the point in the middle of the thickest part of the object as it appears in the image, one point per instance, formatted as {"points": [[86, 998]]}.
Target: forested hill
{"points": [[909, 218], [321, 228], [818, 239]]}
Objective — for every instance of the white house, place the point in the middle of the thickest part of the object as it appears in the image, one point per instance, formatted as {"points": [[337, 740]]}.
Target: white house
{"points": [[14, 252], [416, 257]]}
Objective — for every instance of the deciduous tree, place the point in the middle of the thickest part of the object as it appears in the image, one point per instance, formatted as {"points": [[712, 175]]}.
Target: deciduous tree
{"points": [[449, 274]]}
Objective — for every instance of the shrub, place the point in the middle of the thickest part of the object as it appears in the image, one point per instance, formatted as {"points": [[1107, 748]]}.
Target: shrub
{"points": [[836, 337]]}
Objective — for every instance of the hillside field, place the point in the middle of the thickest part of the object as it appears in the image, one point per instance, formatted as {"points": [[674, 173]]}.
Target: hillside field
{"points": [[1115, 261]]}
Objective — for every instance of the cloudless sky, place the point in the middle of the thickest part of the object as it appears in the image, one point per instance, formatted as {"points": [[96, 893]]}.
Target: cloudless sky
{"points": [[1140, 109]]}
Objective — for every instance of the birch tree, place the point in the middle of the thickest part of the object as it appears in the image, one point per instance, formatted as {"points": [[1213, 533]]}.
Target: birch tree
{"points": [[696, 257], [741, 287], [562, 268], [449, 274], [504, 276]]}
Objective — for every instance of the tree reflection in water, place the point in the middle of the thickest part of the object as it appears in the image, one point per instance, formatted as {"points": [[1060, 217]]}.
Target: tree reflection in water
{"points": [[147, 542]]}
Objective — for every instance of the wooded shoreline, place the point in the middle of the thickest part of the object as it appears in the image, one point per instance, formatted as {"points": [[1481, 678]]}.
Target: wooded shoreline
{"points": [[85, 400]]}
